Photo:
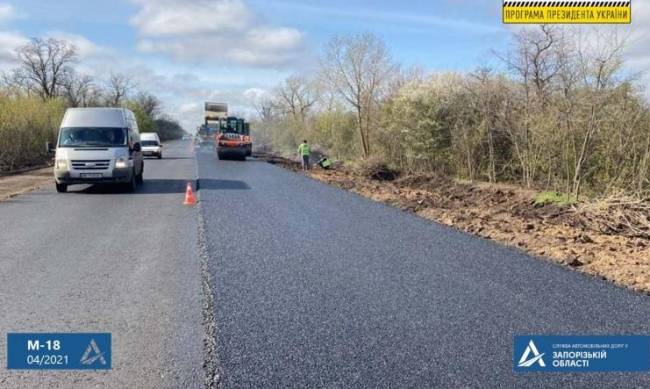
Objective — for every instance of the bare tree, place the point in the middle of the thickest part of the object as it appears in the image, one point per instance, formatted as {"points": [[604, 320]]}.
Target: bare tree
{"points": [[295, 97], [118, 88], [96, 96], [44, 66], [599, 62], [535, 63], [265, 108], [14, 84], [404, 77], [487, 93], [149, 103], [77, 89], [358, 68]]}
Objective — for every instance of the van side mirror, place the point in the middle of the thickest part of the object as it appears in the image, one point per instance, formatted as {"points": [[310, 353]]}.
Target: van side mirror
{"points": [[49, 148], [136, 147]]}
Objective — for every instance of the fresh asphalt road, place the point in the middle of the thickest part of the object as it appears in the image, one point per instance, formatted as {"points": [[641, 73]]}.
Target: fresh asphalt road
{"points": [[317, 287], [311, 287], [98, 260]]}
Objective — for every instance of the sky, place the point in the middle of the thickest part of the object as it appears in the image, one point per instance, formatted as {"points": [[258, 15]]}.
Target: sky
{"points": [[190, 51]]}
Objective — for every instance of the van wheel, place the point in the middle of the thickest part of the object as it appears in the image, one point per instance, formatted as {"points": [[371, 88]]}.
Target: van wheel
{"points": [[61, 188], [160, 156], [220, 156]]}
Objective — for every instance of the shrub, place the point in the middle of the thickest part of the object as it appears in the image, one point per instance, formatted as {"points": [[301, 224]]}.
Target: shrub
{"points": [[376, 168], [26, 124]]}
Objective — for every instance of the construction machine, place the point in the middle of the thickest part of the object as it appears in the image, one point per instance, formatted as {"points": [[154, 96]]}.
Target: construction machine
{"points": [[231, 134], [233, 138]]}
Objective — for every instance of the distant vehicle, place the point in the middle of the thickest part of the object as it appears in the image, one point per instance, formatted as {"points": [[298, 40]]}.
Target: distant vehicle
{"points": [[215, 111], [98, 145], [151, 145]]}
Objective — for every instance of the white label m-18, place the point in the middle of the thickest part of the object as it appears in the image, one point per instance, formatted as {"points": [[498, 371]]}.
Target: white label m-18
{"points": [[49, 345]]}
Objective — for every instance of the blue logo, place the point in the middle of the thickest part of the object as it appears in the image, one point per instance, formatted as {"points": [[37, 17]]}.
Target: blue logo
{"points": [[581, 353], [59, 351]]}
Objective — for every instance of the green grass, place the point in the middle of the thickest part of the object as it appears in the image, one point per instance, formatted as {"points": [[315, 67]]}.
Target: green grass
{"points": [[554, 198]]}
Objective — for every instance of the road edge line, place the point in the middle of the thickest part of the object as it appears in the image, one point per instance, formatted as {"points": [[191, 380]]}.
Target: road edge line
{"points": [[211, 360], [211, 365]]}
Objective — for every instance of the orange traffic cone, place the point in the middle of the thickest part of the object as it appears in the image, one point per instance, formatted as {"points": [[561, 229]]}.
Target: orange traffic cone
{"points": [[189, 196]]}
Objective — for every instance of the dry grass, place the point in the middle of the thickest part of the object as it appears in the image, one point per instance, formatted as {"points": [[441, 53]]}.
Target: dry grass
{"points": [[26, 124]]}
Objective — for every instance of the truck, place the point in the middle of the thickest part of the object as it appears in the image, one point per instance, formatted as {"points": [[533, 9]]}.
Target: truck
{"points": [[215, 111], [213, 114]]}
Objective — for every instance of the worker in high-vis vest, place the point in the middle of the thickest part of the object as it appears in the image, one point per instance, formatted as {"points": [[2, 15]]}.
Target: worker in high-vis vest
{"points": [[325, 163], [304, 151]]}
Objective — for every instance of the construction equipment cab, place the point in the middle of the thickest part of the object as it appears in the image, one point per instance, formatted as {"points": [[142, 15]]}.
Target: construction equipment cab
{"points": [[98, 145], [248, 142], [232, 139]]}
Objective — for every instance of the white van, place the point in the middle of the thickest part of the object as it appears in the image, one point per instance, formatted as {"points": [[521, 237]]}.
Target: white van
{"points": [[98, 145], [151, 145]]}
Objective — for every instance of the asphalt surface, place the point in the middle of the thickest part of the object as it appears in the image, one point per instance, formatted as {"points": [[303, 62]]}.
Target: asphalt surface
{"points": [[317, 287], [309, 287], [98, 260]]}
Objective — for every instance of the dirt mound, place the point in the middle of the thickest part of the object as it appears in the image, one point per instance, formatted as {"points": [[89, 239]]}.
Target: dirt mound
{"points": [[423, 181], [375, 169]]}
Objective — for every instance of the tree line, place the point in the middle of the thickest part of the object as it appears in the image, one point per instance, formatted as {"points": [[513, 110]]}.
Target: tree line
{"points": [[561, 113], [35, 94]]}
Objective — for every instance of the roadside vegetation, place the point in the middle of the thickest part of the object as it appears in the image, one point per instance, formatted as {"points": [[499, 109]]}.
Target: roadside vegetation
{"points": [[34, 96], [562, 114]]}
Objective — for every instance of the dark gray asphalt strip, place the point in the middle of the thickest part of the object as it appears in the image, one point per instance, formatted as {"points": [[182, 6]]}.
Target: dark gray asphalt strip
{"points": [[98, 260], [317, 287]]}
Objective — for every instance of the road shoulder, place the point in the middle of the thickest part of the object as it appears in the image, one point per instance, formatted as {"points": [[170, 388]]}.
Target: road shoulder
{"points": [[16, 184]]}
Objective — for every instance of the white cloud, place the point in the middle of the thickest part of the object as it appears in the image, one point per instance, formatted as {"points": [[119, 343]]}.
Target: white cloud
{"points": [[199, 32], [7, 12], [85, 48], [214, 30], [255, 94], [9, 42], [190, 108], [640, 34], [169, 17]]}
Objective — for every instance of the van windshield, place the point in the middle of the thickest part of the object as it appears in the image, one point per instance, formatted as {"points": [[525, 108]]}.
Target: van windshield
{"points": [[92, 137]]}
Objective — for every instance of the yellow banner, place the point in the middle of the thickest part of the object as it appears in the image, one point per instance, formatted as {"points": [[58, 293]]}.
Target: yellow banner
{"points": [[567, 12]]}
